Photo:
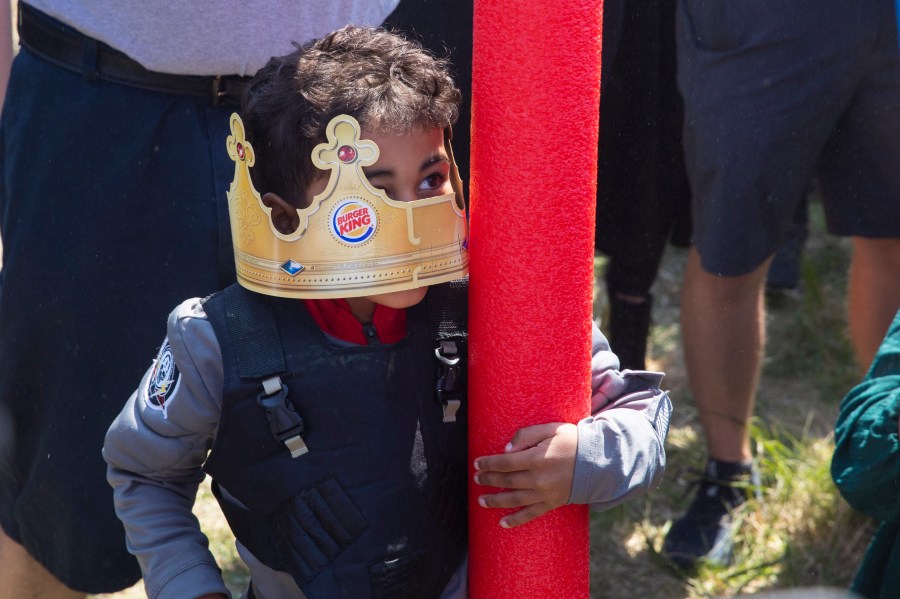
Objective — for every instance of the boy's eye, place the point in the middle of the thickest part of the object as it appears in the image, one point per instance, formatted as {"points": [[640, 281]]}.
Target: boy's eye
{"points": [[432, 181]]}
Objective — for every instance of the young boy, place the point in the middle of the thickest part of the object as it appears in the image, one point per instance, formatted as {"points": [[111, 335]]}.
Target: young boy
{"points": [[323, 395]]}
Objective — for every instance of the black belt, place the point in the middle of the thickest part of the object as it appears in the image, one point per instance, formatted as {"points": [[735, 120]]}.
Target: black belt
{"points": [[74, 51]]}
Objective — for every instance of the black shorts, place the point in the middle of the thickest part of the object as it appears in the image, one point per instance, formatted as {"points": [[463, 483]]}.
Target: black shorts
{"points": [[776, 93], [113, 210]]}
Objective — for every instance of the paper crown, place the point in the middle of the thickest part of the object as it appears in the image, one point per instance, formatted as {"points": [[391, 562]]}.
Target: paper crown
{"points": [[353, 240]]}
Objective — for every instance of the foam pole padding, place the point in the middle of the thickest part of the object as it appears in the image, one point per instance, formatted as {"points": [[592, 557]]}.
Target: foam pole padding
{"points": [[535, 109]]}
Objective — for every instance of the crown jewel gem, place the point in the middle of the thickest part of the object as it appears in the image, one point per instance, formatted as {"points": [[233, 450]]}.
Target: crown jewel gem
{"points": [[291, 267], [240, 151], [346, 154]]}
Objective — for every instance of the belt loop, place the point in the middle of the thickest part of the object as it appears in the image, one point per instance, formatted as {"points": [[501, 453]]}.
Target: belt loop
{"points": [[89, 61], [216, 92]]}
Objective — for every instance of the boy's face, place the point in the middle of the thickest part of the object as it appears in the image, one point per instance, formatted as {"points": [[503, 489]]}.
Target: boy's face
{"points": [[410, 167], [414, 166]]}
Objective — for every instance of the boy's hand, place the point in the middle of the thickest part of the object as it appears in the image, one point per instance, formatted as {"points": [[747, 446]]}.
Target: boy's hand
{"points": [[535, 472]]}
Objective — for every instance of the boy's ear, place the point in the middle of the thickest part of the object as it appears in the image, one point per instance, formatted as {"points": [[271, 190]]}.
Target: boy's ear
{"points": [[284, 216]]}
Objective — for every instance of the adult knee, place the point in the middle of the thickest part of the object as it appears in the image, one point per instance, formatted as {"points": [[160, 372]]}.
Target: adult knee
{"points": [[723, 290], [882, 255]]}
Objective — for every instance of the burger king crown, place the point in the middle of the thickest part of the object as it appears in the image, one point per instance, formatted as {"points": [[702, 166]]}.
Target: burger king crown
{"points": [[353, 240]]}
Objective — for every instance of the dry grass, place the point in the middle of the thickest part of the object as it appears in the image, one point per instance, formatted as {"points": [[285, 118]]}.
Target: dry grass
{"points": [[801, 534]]}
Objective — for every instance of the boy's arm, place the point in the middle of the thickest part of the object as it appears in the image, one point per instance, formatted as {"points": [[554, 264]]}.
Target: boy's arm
{"points": [[613, 455], [155, 449], [866, 461], [621, 446]]}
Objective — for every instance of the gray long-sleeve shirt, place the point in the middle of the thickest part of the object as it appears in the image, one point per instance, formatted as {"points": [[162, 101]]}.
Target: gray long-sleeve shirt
{"points": [[156, 447]]}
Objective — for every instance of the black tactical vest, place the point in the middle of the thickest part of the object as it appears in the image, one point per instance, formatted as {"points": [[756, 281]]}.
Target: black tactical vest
{"points": [[376, 508]]}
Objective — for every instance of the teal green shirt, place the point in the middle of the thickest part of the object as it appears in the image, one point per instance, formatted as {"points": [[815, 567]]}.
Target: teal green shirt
{"points": [[866, 465]]}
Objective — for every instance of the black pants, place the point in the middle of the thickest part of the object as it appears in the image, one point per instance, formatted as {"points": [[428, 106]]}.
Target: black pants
{"points": [[643, 199]]}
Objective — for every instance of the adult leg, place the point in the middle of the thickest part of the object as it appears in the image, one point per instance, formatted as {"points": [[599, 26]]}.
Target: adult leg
{"points": [[860, 187], [751, 150], [873, 294], [23, 577], [641, 173], [723, 330]]}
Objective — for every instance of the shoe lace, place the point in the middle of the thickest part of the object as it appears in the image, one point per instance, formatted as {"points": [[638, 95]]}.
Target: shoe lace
{"points": [[732, 491]]}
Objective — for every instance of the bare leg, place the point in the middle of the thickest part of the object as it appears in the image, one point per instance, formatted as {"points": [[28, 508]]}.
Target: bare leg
{"points": [[23, 577], [874, 294], [723, 329]]}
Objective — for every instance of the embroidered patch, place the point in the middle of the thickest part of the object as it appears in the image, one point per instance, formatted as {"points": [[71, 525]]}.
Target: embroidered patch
{"points": [[163, 380]]}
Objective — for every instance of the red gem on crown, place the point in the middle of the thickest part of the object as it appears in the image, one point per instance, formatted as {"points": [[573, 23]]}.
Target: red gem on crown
{"points": [[346, 154], [240, 151]]}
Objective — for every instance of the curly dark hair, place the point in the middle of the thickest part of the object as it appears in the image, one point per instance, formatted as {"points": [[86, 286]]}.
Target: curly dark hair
{"points": [[380, 78]]}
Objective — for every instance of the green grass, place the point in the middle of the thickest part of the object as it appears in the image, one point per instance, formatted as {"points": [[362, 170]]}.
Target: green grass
{"points": [[800, 533]]}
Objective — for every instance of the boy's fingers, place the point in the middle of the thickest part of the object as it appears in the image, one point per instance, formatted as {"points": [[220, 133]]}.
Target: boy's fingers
{"points": [[519, 479], [504, 463], [524, 515], [508, 499], [531, 436]]}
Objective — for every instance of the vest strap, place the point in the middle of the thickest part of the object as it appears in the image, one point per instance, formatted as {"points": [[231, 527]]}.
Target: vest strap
{"points": [[448, 325], [448, 313], [259, 353], [251, 323]]}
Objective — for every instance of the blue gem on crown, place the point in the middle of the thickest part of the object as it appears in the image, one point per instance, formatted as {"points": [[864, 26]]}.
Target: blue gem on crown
{"points": [[291, 267]]}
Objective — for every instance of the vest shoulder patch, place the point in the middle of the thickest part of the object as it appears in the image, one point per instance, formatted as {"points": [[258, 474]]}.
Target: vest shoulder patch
{"points": [[163, 381]]}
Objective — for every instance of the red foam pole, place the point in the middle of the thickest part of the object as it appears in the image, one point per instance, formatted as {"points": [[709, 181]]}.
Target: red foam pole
{"points": [[535, 108]]}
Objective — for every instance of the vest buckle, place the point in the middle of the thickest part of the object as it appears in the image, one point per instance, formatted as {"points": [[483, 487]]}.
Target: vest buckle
{"points": [[447, 387], [285, 422]]}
